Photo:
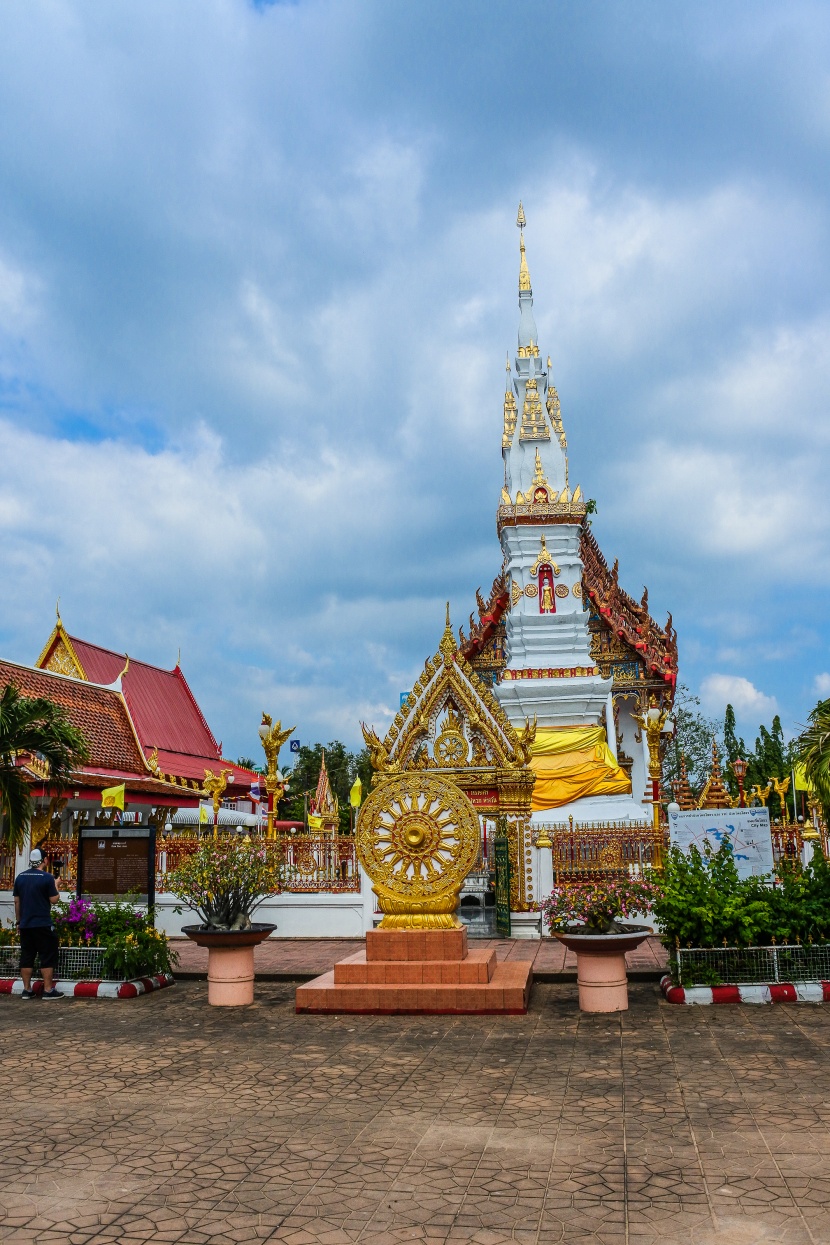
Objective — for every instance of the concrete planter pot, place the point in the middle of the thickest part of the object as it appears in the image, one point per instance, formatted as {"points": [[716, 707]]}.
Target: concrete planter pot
{"points": [[230, 961], [600, 966]]}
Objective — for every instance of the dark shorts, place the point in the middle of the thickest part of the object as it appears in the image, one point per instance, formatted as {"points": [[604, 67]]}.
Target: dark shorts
{"points": [[40, 942]]}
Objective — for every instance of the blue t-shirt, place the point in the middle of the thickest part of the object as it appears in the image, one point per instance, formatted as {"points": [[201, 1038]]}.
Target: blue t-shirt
{"points": [[33, 889]]}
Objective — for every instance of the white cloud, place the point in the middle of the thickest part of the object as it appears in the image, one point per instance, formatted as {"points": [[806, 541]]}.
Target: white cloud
{"points": [[821, 685], [719, 690]]}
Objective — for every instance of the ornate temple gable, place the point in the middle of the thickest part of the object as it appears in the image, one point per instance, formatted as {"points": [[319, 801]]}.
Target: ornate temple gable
{"points": [[452, 724], [59, 654], [625, 638]]}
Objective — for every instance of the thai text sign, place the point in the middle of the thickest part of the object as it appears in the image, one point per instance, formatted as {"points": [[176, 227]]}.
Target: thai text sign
{"points": [[117, 862], [748, 830]]}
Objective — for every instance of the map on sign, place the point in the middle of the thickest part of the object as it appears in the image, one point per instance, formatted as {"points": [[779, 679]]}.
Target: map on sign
{"points": [[746, 828]]}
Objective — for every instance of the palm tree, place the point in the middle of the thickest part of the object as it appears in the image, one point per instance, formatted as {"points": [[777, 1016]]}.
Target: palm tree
{"points": [[813, 751], [39, 728]]}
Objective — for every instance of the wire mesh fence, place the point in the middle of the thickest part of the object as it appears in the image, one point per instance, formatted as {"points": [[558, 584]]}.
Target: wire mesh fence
{"points": [[745, 966], [74, 963]]}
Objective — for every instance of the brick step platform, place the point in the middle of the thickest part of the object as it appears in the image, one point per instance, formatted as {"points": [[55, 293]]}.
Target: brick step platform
{"points": [[426, 971]]}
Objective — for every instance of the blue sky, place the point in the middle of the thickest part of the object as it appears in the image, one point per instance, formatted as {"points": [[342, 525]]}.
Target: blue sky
{"points": [[257, 281]]}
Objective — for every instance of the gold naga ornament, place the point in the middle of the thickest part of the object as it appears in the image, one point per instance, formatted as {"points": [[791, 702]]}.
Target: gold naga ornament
{"points": [[417, 838]]}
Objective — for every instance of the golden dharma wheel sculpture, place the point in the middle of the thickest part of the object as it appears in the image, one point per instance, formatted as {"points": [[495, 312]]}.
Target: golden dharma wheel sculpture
{"points": [[417, 837]]}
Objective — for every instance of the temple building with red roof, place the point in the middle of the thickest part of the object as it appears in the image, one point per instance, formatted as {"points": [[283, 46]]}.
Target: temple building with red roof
{"points": [[175, 742]]}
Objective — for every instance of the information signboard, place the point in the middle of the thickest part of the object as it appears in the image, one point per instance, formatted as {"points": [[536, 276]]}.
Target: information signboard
{"points": [[115, 861], [747, 828]]}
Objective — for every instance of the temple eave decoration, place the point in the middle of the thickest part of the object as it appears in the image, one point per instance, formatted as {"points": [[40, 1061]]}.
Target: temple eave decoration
{"points": [[623, 631]]}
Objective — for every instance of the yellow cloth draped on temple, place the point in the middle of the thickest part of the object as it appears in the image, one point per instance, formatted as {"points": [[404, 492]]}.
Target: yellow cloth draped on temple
{"points": [[571, 762]]}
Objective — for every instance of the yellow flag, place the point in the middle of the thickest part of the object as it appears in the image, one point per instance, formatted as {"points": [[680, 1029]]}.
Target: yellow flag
{"points": [[356, 793], [802, 783], [203, 814], [113, 797], [314, 822]]}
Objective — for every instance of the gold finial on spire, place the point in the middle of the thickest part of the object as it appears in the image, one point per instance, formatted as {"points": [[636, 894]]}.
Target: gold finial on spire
{"points": [[539, 477], [448, 646], [524, 274], [550, 365], [507, 362]]}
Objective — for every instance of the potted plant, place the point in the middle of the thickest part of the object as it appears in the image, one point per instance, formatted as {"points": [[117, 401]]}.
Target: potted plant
{"points": [[585, 918], [224, 881]]}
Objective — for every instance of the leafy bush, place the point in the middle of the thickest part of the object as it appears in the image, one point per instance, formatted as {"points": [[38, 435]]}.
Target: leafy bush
{"points": [[133, 946], [704, 903], [224, 880], [596, 904]]}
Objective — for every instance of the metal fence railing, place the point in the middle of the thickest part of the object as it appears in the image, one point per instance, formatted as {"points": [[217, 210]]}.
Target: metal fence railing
{"points": [[309, 863], [74, 963], [744, 966], [586, 853]]}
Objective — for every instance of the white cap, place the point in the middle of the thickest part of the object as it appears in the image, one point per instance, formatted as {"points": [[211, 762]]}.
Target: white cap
{"points": [[35, 856]]}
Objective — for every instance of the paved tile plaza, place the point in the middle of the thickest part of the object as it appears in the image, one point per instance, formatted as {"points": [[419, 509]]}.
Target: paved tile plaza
{"points": [[159, 1119]]}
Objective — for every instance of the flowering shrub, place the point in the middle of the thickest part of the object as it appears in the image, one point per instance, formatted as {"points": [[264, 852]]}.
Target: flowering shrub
{"points": [[224, 880], [76, 923], [133, 946], [595, 905]]}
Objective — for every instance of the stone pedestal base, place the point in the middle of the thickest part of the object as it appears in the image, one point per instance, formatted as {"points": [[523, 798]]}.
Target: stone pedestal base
{"points": [[603, 983], [427, 971], [230, 976]]}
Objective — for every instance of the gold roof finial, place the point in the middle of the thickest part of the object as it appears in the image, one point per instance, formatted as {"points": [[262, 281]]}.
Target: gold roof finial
{"points": [[524, 274], [507, 362], [58, 610], [126, 667], [448, 645]]}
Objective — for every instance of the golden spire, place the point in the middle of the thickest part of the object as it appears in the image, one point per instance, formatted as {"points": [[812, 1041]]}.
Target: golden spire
{"points": [[539, 477], [506, 368], [524, 274], [448, 646]]}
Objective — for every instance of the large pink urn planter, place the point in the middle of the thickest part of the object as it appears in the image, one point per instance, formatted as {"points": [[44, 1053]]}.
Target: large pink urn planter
{"points": [[600, 967], [230, 961]]}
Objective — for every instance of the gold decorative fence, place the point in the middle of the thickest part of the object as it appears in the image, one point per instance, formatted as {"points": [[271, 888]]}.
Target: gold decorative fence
{"points": [[309, 863], [593, 852], [316, 863]]}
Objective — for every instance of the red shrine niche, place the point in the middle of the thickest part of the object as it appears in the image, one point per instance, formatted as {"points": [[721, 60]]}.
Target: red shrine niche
{"points": [[547, 596]]}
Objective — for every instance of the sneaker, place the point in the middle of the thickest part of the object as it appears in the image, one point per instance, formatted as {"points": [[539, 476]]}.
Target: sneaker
{"points": [[28, 994], [52, 994]]}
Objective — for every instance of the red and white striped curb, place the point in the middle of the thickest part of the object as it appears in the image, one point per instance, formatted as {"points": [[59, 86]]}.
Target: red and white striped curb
{"points": [[95, 989], [774, 992]]}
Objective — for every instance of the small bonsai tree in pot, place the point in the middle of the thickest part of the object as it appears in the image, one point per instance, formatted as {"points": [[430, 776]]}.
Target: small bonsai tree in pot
{"points": [[224, 881], [590, 919]]}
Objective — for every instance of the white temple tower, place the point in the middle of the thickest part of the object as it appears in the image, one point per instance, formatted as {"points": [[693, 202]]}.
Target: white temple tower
{"points": [[550, 673]]}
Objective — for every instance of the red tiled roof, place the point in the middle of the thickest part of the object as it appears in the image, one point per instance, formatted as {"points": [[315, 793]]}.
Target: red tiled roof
{"points": [[162, 706], [97, 711]]}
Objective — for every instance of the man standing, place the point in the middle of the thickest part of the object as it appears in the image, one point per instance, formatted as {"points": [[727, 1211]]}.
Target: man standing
{"points": [[35, 891]]}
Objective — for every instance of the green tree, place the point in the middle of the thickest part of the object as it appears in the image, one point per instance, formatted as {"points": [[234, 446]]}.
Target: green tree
{"points": [[250, 763], [343, 767], [693, 733], [733, 747], [42, 729], [812, 750]]}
